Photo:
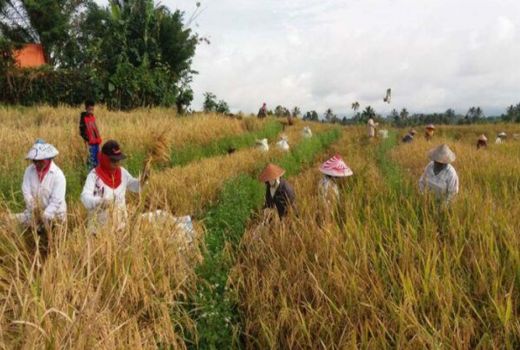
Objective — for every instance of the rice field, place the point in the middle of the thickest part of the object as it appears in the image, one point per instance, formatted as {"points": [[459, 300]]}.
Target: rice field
{"points": [[388, 268]]}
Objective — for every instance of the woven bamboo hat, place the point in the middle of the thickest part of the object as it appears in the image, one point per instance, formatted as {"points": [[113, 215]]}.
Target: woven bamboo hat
{"points": [[336, 167], [41, 150], [442, 154], [271, 172], [413, 132], [483, 138], [430, 127]]}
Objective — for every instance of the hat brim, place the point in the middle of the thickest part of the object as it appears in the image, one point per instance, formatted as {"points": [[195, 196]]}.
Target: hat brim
{"points": [[442, 157], [271, 173], [336, 173]]}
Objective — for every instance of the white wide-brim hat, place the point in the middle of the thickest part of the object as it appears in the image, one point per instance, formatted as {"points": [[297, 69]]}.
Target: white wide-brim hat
{"points": [[262, 142], [41, 150], [442, 154], [502, 134], [336, 167]]}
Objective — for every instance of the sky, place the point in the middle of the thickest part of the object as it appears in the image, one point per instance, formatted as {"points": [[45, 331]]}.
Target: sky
{"points": [[319, 54]]}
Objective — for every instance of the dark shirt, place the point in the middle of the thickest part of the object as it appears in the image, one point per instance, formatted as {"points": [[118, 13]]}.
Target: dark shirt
{"points": [[282, 199], [407, 138], [262, 113], [82, 126]]}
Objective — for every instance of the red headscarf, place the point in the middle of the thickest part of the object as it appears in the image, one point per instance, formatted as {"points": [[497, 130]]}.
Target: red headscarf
{"points": [[111, 178], [45, 169]]}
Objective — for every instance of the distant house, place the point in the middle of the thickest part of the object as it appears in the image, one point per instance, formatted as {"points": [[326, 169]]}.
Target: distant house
{"points": [[29, 56]]}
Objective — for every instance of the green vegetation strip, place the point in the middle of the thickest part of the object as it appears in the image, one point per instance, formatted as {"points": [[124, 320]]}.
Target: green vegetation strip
{"points": [[215, 311], [192, 152]]}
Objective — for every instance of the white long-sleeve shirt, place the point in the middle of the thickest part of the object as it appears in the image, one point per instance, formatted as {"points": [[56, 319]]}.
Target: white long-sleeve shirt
{"points": [[48, 195], [95, 193], [372, 127], [328, 191], [445, 185]]}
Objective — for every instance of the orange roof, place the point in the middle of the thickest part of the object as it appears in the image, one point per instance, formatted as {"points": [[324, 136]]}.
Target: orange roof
{"points": [[29, 56]]}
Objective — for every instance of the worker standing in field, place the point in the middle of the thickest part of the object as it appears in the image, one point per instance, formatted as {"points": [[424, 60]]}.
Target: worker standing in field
{"points": [[440, 176], [90, 133], [332, 170], [430, 130], [43, 189], [501, 138], [278, 193], [262, 112], [372, 127], [408, 138], [105, 189], [482, 141]]}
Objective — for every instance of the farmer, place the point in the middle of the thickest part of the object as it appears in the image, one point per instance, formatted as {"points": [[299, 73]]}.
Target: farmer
{"points": [[43, 188], [262, 112], [371, 127], [428, 134], [482, 141], [501, 138], [283, 144], [307, 132], [278, 193], [439, 175], [332, 170], [90, 133], [105, 189], [408, 138]]}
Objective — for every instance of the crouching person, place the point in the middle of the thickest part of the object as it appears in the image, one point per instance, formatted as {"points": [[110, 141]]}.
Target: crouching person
{"points": [[43, 189], [105, 190], [278, 193], [439, 176]]}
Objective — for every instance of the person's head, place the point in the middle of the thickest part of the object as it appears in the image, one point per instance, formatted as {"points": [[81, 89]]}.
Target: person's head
{"points": [[437, 166], [441, 156], [89, 106], [41, 154], [264, 104], [111, 155], [413, 132]]}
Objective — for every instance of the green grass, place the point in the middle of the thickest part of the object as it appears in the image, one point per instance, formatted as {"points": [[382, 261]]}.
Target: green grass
{"points": [[216, 313], [192, 152]]}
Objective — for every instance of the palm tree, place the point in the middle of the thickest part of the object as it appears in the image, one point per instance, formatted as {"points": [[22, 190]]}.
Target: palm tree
{"points": [[355, 106]]}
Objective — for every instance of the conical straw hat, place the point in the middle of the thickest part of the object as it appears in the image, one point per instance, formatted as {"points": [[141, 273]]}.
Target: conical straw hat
{"points": [[41, 150], [271, 172], [442, 154], [483, 138], [430, 127], [413, 132], [335, 166]]}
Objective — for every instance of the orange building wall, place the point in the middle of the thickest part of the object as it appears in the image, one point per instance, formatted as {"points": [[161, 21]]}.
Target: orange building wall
{"points": [[29, 56]]}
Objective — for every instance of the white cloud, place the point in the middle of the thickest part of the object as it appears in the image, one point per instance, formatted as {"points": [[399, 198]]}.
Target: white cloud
{"points": [[328, 53]]}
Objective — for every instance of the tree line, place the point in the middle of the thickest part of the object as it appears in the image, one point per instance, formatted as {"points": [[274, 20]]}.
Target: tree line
{"points": [[131, 53]]}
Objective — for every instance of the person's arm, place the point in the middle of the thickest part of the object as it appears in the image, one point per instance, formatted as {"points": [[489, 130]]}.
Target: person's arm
{"points": [[57, 197], [267, 202], [132, 184], [453, 185], [27, 195], [83, 127], [89, 200], [422, 180], [26, 190]]}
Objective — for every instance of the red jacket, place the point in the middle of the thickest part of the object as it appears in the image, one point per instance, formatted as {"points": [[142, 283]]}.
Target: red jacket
{"points": [[88, 129]]}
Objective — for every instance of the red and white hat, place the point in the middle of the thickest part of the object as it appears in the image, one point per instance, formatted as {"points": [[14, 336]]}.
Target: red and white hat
{"points": [[335, 166]]}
